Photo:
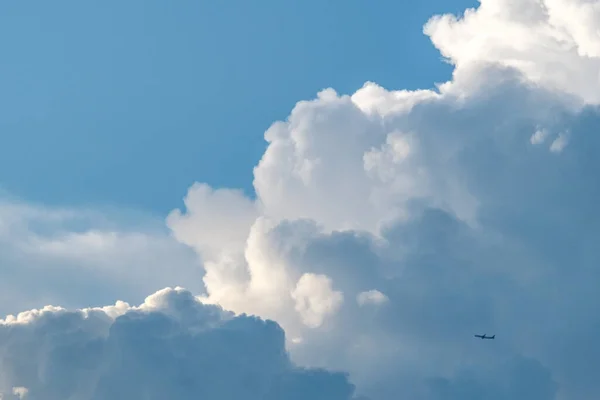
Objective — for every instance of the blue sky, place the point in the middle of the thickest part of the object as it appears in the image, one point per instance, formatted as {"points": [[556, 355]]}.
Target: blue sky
{"points": [[128, 103]]}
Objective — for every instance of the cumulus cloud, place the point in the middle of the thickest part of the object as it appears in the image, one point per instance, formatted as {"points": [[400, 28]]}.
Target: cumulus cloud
{"points": [[388, 227], [315, 299], [171, 346], [551, 42], [466, 209]]}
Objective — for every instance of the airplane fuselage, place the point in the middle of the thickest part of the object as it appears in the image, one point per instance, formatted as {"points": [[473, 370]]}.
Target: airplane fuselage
{"points": [[485, 337]]}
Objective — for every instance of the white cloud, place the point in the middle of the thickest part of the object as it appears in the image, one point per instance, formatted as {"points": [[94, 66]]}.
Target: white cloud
{"points": [[431, 204], [539, 136], [20, 392], [552, 42], [371, 297], [76, 257], [227, 212], [559, 144], [424, 231], [438, 200], [315, 299]]}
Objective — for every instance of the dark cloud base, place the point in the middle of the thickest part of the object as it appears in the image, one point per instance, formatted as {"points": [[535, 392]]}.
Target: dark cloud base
{"points": [[182, 350]]}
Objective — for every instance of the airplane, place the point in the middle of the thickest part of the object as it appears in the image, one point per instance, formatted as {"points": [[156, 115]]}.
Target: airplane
{"points": [[485, 337]]}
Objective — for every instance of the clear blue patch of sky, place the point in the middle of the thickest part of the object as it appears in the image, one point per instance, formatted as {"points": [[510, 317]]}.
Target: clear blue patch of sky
{"points": [[129, 102]]}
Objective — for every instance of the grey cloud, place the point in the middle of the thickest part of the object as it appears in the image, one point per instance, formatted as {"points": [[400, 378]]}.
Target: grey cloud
{"points": [[445, 283], [170, 347], [521, 262], [518, 378], [526, 270]]}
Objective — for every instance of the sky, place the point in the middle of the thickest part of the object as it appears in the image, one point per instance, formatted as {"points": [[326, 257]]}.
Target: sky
{"points": [[126, 104], [315, 201]]}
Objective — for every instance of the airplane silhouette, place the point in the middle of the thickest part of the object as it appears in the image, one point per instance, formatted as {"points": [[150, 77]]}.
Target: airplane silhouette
{"points": [[485, 337]]}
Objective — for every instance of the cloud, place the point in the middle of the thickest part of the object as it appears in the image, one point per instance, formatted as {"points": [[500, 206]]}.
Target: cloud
{"points": [[77, 257], [515, 382], [388, 227], [371, 297], [315, 299], [435, 237], [539, 136], [469, 207], [170, 346], [559, 144], [20, 392], [553, 43]]}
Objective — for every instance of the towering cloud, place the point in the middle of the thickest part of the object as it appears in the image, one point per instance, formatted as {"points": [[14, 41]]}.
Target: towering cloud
{"points": [[469, 209], [388, 227]]}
